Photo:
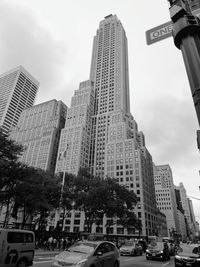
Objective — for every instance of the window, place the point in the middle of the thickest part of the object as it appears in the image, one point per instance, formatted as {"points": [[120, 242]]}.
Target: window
{"points": [[18, 237]]}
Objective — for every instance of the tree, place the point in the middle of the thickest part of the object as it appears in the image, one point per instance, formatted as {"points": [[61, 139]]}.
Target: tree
{"points": [[67, 197], [10, 169], [97, 197], [88, 197], [9, 154], [118, 202], [36, 192]]}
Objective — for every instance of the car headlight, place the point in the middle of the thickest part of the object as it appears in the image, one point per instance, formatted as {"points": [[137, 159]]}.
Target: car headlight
{"points": [[161, 251], [177, 257], [198, 259], [80, 263], [147, 251]]}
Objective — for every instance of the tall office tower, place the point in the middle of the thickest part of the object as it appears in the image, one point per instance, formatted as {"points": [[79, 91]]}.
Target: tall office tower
{"points": [[100, 132], [38, 130], [117, 149], [109, 71], [74, 147], [18, 90], [193, 220], [181, 216], [165, 196], [187, 211]]}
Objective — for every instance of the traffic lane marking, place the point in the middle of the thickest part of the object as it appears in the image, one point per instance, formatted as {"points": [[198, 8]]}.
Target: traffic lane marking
{"points": [[45, 258], [39, 262], [142, 260]]}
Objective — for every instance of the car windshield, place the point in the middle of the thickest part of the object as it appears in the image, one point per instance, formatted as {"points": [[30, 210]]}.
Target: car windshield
{"points": [[83, 248], [129, 243], [154, 244]]}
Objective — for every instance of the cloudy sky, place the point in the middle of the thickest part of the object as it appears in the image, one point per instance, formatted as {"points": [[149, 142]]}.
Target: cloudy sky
{"points": [[53, 39]]}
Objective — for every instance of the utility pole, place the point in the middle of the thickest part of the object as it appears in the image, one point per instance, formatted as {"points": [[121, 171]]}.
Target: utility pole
{"points": [[186, 33]]}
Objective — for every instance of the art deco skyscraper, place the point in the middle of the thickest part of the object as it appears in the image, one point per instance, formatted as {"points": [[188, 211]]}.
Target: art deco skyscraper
{"points": [[101, 134], [18, 90], [109, 71]]}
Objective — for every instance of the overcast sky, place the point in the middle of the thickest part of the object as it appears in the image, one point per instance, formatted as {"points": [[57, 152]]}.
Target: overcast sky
{"points": [[52, 39]]}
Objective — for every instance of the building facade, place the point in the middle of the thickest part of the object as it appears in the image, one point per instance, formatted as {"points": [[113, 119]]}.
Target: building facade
{"points": [[165, 196], [74, 147], [100, 132], [187, 211], [181, 215], [38, 130], [161, 227], [18, 90]]}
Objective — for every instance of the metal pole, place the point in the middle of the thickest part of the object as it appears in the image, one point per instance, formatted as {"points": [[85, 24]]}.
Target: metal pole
{"points": [[186, 33]]}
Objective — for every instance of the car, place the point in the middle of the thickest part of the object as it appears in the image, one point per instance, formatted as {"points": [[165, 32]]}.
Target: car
{"points": [[89, 254], [131, 248], [158, 250], [187, 255], [17, 247]]}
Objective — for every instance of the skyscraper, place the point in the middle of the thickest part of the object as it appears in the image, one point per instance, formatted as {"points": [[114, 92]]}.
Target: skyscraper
{"points": [[18, 90], [109, 71], [101, 133], [38, 130], [75, 138], [188, 210], [165, 195], [118, 150]]}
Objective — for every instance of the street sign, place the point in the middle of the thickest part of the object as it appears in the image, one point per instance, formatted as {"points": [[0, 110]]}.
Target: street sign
{"points": [[163, 31], [159, 33]]}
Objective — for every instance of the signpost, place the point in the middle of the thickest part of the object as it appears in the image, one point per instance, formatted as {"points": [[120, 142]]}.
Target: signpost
{"points": [[186, 32], [163, 31]]}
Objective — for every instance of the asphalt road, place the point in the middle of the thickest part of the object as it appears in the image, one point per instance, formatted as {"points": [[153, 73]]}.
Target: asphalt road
{"points": [[45, 260]]}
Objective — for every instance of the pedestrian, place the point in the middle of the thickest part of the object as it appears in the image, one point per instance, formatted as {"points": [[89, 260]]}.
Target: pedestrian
{"points": [[64, 243], [50, 243], [54, 243]]}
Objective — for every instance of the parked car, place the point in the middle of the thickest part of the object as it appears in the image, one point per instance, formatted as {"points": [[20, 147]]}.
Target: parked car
{"points": [[158, 250], [131, 248], [187, 255], [89, 253]]}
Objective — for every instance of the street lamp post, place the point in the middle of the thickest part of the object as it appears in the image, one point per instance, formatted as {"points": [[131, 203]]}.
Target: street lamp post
{"points": [[186, 33]]}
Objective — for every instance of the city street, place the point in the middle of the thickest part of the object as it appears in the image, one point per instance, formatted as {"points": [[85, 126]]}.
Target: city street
{"points": [[45, 260]]}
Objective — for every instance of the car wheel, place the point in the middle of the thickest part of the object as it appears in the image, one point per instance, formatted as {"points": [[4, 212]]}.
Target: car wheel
{"points": [[21, 263], [147, 257]]}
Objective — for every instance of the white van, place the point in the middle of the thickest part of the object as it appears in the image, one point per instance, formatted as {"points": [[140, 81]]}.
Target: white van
{"points": [[17, 248]]}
